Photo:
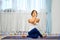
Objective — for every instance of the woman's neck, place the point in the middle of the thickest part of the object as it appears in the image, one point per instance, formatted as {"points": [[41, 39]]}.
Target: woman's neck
{"points": [[33, 17]]}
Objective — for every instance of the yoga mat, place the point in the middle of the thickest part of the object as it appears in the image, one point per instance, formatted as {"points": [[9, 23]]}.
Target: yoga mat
{"points": [[19, 37]]}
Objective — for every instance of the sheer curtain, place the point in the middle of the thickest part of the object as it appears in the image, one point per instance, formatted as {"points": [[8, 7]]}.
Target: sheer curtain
{"points": [[23, 4], [16, 21]]}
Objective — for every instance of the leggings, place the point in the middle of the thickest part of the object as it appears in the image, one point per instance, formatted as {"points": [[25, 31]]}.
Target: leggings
{"points": [[34, 33]]}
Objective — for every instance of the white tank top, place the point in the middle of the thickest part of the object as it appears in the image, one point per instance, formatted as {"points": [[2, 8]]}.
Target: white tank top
{"points": [[31, 26]]}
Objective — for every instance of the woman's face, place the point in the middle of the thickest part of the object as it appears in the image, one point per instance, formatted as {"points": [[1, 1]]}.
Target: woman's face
{"points": [[34, 14]]}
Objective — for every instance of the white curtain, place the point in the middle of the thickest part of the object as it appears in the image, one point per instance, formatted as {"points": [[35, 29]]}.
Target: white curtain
{"points": [[12, 22], [23, 4]]}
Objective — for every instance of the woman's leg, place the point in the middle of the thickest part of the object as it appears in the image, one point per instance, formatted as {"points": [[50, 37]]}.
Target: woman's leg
{"points": [[33, 36], [35, 31], [32, 31]]}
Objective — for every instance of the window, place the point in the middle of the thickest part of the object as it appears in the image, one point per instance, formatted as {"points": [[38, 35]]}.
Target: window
{"points": [[23, 4]]}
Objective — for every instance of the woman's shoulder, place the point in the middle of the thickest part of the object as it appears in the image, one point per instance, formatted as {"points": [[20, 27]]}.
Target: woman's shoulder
{"points": [[29, 20], [38, 19]]}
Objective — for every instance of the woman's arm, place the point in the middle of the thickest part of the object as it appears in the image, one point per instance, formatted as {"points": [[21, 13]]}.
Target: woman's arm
{"points": [[35, 23], [30, 20], [37, 20]]}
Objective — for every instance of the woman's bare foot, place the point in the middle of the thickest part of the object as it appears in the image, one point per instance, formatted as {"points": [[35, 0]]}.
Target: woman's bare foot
{"points": [[45, 35], [24, 36]]}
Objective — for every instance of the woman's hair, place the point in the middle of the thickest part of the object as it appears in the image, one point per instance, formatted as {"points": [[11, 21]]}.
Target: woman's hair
{"points": [[33, 11]]}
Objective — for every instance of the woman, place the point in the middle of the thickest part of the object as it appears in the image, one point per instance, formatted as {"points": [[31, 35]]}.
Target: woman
{"points": [[33, 29]]}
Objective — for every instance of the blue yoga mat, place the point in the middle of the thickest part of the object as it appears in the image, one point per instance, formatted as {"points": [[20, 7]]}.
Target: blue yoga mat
{"points": [[19, 37]]}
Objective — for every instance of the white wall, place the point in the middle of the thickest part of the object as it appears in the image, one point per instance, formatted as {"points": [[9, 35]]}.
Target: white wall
{"points": [[55, 16]]}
